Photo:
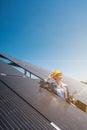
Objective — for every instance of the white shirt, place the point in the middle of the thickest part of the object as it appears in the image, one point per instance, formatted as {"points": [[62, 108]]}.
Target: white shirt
{"points": [[61, 91]]}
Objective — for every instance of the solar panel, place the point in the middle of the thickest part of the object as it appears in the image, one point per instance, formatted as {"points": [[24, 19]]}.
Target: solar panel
{"points": [[8, 70], [17, 114], [38, 71]]}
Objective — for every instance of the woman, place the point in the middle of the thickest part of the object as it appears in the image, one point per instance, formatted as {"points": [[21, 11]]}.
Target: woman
{"points": [[60, 87]]}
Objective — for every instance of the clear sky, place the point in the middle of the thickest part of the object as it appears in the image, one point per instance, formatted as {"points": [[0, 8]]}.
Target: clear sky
{"points": [[48, 33]]}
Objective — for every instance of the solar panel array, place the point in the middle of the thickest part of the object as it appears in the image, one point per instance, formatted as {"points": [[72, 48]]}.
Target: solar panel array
{"points": [[25, 105], [73, 84]]}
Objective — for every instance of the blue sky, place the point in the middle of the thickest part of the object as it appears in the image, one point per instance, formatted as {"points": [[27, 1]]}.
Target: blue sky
{"points": [[48, 33]]}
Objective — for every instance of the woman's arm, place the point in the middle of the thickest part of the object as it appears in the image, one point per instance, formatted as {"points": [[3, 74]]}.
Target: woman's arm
{"points": [[48, 78]]}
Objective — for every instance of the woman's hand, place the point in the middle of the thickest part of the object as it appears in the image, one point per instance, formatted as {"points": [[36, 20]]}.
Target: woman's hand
{"points": [[70, 96]]}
